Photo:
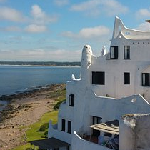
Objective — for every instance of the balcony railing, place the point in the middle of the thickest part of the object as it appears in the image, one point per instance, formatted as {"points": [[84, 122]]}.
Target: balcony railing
{"points": [[86, 142]]}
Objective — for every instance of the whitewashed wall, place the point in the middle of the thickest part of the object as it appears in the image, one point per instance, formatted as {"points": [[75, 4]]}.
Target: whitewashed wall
{"points": [[134, 132], [91, 100], [80, 144]]}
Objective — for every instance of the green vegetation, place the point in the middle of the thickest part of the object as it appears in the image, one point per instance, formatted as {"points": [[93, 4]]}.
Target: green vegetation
{"points": [[44, 126], [33, 131], [59, 96], [39, 130], [57, 105]]}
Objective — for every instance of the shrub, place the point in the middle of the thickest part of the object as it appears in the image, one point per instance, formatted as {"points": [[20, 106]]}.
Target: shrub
{"points": [[57, 105], [45, 135], [29, 149], [44, 127]]}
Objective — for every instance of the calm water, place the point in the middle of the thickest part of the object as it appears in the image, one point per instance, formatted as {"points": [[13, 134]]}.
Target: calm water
{"points": [[15, 79], [19, 78]]}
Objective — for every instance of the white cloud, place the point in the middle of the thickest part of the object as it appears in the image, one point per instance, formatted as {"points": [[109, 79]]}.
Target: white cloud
{"points": [[97, 7], [10, 14], [143, 13], [40, 17], [37, 20], [33, 28], [144, 27], [88, 33], [61, 2], [40, 55]]}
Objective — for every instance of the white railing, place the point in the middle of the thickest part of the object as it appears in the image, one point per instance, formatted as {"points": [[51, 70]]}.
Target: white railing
{"points": [[77, 143]]}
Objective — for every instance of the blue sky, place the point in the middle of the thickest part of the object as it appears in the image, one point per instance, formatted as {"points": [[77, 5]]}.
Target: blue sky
{"points": [[57, 30]]}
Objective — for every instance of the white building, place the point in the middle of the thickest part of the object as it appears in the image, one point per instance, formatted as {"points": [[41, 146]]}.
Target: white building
{"points": [[111, 85]]}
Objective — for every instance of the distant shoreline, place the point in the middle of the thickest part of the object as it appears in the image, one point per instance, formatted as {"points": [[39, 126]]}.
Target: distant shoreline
{"points": [[36, 65], [39, 63]]}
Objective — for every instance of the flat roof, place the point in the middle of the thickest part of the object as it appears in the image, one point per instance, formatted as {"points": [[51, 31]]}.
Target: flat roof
{"points": [[50, 143]]}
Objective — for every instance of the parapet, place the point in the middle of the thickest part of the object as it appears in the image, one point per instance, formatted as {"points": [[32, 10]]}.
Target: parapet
{"points": [[120, 28]]}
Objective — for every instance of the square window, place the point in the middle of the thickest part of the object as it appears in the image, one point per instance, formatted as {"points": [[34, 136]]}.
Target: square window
{"points": [[97, 120], [126, 78], [98, 77], [126, 52]]}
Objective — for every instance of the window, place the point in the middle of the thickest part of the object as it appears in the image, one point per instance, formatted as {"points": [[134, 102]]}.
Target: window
{"points": [[68, 148], [126, 78], [145, 79], [63, 122], [114, 52], [71, 100], [69, 127], [98, 78], [126, 52], [96, 120]]}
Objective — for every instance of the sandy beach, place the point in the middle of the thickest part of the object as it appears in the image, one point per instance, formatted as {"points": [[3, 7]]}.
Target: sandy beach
{"points": [[24, 111]]}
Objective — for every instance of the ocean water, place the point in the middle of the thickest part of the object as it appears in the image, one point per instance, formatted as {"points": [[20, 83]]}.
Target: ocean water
{"points": [[15, 79]]}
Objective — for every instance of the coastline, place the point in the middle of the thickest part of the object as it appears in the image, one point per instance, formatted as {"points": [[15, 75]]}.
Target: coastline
{"points": [[25, 92], [23, 110], [40, 65]]}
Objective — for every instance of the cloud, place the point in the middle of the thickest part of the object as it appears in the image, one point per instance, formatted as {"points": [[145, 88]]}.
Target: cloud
{"points": [[37, 20], [10, 14], [40, 55], [61, 2], [40, 17], [33, 28], [97, 7], [143, 13], [88, 33], [144, 27]]}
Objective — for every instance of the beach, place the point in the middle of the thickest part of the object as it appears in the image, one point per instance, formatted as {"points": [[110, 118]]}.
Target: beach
{"points": [[24, 110]]}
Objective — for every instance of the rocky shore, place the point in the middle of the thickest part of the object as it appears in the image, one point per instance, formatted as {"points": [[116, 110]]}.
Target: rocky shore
{"points": [[19, 94], [24, 109]]}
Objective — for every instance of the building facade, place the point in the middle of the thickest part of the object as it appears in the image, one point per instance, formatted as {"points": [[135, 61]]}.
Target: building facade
{"points": [[111, 85]]}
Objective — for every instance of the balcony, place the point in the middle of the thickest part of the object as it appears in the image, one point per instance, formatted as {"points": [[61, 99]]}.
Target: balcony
{"points": [[91, 142], [86, 142]]}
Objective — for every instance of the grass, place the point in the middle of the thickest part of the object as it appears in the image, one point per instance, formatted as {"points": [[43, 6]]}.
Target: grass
{"points": [[58, 95], [33, 132]]}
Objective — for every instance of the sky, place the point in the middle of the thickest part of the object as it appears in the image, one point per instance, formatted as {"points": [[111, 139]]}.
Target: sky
{"points": [[57, 30]]}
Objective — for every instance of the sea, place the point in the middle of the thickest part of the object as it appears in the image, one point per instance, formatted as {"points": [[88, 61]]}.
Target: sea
{"points": [[16, 79]]}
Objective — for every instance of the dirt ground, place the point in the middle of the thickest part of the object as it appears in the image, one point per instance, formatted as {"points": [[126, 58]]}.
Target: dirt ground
{"points": [[25, 111]]}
